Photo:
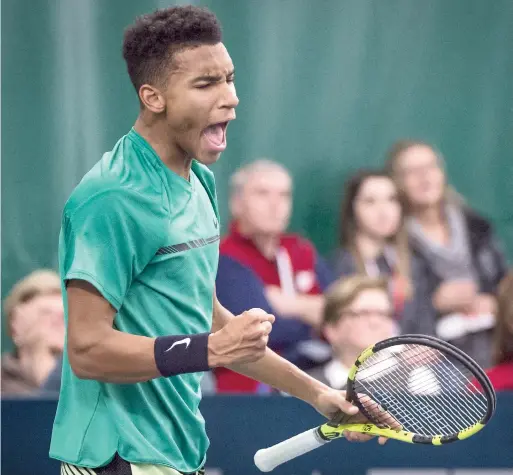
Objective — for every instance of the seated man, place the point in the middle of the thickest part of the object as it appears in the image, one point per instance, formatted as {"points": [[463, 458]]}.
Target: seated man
{"points": [[358, 314], [262, 267], [35, 322]]}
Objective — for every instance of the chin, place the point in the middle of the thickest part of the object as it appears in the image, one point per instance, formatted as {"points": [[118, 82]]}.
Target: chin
{"points": [[208, 159], [273, 231], [430, 199], [386, 233]]}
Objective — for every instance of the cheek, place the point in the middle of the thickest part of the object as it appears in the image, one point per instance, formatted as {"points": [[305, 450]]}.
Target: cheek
{"points": [[286, 207], [363, 215], [257, 207], [439, 181], [341, 333], [183, 113], [181, 124], [394, 214], [411, 186]]}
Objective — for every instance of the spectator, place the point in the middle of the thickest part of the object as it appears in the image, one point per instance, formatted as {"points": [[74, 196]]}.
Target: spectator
{"points": [[35, 322], [358, 314], [262, 267], [52, 385], [459, 247], [374, 242], [501, 375]]}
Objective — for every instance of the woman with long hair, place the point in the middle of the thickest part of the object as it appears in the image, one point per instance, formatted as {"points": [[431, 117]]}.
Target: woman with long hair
{"points": [[458, 246], [374, 242]]}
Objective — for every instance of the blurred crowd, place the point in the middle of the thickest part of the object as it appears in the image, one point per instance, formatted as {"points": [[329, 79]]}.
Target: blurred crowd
{"points": [[412, 257]]}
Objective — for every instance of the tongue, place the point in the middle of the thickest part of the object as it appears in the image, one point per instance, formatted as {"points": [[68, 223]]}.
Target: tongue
{"points": [[215, 134]]}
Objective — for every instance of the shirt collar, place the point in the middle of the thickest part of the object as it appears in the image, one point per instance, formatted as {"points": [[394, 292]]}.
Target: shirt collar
{"points": [[236, 234], [336, 374]]}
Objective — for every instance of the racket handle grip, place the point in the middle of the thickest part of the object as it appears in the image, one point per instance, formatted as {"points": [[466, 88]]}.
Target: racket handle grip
{"points": [[268, 459]]}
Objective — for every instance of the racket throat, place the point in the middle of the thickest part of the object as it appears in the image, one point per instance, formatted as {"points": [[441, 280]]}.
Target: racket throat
{"points": [[327, 432]]}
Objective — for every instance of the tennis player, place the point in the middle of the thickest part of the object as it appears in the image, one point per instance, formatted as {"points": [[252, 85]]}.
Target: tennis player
{"points": [[138, 255]]}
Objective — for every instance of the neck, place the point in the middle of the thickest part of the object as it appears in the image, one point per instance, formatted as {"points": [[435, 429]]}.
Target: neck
{"points": [[429, 216], [155, 131], [369, 248], [347, 357], [37, 362], [267, 244]]}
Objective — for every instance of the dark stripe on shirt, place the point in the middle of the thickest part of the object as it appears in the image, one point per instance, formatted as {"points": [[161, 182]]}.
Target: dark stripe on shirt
{"points": [[185, 246]]}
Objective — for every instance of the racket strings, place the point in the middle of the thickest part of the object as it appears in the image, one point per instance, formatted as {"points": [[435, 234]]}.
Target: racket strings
{"points": [[403, 412], [421, 388], [416, 388], [409, 408], [427, 380]]}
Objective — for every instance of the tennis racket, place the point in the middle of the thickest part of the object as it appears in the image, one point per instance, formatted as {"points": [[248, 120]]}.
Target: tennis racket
{"points": [[412, 388]]}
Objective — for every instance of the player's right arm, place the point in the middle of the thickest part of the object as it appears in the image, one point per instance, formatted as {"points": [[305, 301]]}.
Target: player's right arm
{"points": [[98, 351]]}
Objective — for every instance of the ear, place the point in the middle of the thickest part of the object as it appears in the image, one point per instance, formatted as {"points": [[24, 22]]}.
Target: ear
{"points": [[14, 324], [235, 205], [330, 333], [152, 99]]}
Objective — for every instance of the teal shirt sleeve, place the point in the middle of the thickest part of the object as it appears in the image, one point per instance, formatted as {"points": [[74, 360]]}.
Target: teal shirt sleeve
{"points": [[108, 239]]}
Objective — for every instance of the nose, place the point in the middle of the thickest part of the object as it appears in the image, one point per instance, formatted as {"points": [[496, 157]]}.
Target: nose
{"points": [[230, 99]]}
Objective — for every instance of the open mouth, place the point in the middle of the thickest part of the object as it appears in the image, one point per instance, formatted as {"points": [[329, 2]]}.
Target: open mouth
{"points": [[215, 136]]}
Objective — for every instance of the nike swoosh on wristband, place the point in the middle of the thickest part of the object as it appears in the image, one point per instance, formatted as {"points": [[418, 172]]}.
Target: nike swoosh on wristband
{"points": [[185, 341]]}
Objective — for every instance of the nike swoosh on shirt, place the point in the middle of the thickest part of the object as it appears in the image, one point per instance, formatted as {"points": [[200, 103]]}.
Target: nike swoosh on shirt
{"points": [[185, 341]]}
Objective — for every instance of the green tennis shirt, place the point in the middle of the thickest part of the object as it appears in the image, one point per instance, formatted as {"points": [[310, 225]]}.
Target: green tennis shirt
{"points": [[148, 240]]}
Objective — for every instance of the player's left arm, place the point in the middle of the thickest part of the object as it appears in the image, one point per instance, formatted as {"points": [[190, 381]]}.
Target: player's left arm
{"points": [[279, 373]]}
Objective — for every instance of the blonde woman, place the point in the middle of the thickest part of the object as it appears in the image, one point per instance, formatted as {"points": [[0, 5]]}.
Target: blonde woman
{"points": [[35, 322], [458, 246]]}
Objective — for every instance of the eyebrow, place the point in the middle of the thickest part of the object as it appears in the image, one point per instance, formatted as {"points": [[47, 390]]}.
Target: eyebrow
{"points": [[211, 78]]}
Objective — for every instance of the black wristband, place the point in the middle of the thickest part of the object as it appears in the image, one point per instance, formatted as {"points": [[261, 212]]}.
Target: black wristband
{"points": [[182, 354]]}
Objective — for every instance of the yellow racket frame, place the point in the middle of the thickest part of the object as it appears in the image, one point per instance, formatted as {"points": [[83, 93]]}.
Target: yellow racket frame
{"points": [[333, 430]]}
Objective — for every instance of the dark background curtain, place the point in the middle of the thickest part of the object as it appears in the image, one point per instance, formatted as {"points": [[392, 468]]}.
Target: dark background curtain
{"points": [[325, 87]]}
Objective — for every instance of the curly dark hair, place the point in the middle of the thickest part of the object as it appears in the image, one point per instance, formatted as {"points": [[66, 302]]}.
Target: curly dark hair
{"points": [[151, 42]]}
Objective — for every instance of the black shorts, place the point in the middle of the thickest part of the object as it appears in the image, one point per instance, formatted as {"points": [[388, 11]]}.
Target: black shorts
{"points": [[118, 466]]}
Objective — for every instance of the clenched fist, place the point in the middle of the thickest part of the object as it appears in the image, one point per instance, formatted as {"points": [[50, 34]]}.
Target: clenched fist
{"points": [[242, 340]]}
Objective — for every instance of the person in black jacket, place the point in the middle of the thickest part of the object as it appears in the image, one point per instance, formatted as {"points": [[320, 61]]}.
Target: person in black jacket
{"points": [[459, 247], [374, 242]]}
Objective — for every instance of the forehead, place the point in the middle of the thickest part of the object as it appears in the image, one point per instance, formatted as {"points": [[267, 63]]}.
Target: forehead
{"points": [[417, 154], [203, 60], [371, 297], [377, 185], [269, 179], [45, 300]]}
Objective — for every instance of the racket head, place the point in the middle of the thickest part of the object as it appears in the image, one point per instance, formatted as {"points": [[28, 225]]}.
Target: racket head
{"points": [[435, 391]]}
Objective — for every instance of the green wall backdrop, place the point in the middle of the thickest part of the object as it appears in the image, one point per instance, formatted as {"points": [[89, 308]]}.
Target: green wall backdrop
{"points": [[325, 87]]}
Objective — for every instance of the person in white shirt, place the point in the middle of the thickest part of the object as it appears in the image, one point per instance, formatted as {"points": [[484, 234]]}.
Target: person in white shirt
{"points": [[357, 314]]}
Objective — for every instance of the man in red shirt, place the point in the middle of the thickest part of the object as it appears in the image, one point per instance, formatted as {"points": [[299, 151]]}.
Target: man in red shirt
{"points": [[261, 266]]}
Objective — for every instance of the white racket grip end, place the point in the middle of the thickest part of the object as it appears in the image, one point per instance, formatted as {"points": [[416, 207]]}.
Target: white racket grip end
{"points": [[268, 459]]}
